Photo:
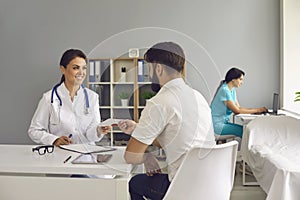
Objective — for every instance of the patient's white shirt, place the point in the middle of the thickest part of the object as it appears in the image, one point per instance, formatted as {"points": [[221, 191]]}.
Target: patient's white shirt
{"points": [[180, 118]]}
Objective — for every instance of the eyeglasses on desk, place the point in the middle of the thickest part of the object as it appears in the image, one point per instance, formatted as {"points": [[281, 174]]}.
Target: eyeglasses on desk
{"points": [[43, 149]]}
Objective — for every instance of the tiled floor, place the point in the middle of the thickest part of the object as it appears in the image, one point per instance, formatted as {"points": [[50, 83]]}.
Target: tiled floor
{"points": [[241, 192]]}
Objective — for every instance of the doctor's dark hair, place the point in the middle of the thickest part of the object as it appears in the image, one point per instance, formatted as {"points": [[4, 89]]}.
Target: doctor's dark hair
{"points": [[69, 55], [167, 53], [231, 74]]}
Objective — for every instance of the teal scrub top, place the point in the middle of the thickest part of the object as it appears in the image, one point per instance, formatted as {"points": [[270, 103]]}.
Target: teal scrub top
{"points": [[220, 112]]}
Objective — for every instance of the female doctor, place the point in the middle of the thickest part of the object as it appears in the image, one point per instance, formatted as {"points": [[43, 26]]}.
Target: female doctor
{"points": [[69, 113], [225, 103]]}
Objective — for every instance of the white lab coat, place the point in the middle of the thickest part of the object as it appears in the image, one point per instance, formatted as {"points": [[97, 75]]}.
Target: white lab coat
{"points": [[50, 120]]}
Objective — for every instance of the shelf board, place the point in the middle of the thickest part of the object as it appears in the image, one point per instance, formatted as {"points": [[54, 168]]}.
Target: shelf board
{"points": [[144, 83], [122, 107], [117, 131], [104, 107], [123, 83], [98, 83]]}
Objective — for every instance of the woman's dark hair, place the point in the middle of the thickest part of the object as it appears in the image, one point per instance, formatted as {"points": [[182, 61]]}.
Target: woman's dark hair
{"points": [[167, 53], [66, 58], [233, 73]]}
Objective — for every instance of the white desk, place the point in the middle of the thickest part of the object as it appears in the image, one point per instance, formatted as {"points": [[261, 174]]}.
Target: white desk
{"points": [[244, 119], [22, 175]]}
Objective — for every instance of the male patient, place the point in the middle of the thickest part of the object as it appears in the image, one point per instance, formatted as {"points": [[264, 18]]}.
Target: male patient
{"points": [[175, 119]]}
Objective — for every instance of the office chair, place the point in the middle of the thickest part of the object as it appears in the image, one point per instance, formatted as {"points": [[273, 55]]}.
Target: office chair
{"points": [[205, 173], [220, 139]]}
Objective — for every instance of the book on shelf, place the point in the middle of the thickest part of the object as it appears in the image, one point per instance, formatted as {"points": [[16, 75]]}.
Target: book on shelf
{"points": [[140, 71], [143, 71], [97, 71], [105, 69], [91, 71], [146, 73]]}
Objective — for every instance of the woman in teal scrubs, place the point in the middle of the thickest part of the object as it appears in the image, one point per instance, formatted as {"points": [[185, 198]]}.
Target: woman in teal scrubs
{"points": [[225, 103]]}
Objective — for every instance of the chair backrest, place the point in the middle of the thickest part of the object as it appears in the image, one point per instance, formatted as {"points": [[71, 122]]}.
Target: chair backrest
{"points": [[205, 173]]}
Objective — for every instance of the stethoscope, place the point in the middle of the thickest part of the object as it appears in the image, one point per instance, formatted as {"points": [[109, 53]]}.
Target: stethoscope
{"points": [[87, 102]]}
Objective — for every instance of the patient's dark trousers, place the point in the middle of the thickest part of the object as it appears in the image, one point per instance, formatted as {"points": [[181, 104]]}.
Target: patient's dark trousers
{"points": [[153, 187]]}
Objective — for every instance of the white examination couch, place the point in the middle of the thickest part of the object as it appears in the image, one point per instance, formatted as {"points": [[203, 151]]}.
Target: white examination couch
{"points": [[271, 147]]}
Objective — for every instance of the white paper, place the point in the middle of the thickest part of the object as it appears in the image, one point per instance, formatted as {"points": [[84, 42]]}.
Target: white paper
{"points": [[110, 122], [140, 67], [92, 68]]}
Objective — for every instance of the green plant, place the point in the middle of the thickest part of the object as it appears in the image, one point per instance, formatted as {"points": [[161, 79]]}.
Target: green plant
{"points": [[123, 95], [297, 98], [147, 94]]}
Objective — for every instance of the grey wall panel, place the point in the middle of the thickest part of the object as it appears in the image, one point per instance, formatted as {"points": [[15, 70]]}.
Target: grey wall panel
{"points": [[34, 34]]}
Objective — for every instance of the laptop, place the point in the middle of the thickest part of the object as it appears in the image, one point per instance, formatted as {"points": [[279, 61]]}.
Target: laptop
{"points": [[275, 107]]}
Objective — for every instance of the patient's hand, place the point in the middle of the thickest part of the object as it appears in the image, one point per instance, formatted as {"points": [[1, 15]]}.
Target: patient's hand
{"points": [[151, 165], [103, 130], [127, 126]]}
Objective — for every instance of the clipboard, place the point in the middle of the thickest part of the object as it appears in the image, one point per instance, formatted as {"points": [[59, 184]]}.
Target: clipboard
{"points": [[86, 148]]}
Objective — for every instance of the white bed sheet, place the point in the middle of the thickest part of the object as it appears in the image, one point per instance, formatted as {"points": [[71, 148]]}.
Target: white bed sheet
{"points": [[271, 147]]}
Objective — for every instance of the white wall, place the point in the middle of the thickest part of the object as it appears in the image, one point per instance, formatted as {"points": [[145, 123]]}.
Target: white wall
{"points": [[34, 33]]}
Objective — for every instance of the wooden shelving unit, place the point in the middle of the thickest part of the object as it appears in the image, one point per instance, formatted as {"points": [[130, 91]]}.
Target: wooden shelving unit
{"points": [[105, 78]]}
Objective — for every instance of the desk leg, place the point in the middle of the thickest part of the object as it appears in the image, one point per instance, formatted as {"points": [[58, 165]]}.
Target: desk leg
{"points": [[244, 176]]}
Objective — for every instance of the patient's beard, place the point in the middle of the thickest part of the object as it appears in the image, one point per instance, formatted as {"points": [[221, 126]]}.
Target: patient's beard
{"points": [[155, 86]]}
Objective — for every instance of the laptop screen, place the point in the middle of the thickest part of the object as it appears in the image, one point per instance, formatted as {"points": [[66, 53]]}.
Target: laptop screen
{"points": [[275, 103]]}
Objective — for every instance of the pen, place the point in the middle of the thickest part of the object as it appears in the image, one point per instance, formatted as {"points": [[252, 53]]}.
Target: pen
{"points": [[70, 135], [68, 158]]}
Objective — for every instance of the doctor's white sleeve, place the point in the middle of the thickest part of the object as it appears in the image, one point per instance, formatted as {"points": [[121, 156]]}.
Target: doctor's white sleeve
{"points": [[38, 130], [91, 133]]}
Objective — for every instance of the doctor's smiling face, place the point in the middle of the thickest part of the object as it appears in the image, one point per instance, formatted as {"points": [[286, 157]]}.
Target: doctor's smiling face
{"points": [[74, 72]]}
